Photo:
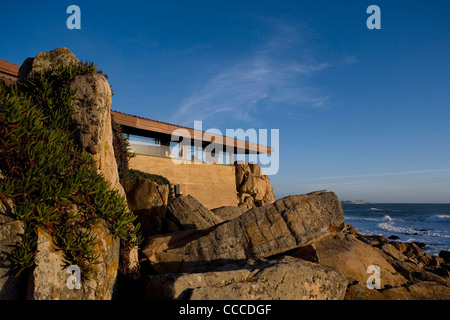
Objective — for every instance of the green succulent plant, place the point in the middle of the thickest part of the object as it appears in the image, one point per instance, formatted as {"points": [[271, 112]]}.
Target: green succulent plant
{"points": [[46, 173]]}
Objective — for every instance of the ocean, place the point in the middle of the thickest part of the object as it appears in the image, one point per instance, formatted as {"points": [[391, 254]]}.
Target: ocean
{"points": [[425, 223]]}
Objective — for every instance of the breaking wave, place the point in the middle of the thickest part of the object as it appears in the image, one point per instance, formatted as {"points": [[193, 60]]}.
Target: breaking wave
{"points": [[379, 219], [426, 223], [438, 217], [389, 226]]}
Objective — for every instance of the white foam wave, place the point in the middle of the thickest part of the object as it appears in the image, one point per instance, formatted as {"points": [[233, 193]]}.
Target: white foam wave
{"points": [[379, 219], [362, 218], [438, 217], [389, 226]]}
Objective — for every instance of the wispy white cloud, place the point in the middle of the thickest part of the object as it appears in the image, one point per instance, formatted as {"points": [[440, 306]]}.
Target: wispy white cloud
{"points": [[385, 174], [276, 73]]}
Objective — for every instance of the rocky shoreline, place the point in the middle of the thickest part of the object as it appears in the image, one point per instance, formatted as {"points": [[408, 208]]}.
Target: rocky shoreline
{"points": [[231, 259], [295, 248]]}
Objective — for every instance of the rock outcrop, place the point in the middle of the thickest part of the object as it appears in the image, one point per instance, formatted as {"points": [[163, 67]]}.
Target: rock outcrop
{"points": [[187, 213], [246, 258], [92, 113], [92, 109], [261, 232], [92, 117], [47, 60], [445, 255], [48, 280], [49, 277], [254, 188], [227, 213], [278, 279], [11, 231], [406, 271], [148, 201]]}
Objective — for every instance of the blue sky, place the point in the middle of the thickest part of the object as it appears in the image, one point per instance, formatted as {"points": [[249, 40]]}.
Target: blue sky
{"points": [[364, 113]]}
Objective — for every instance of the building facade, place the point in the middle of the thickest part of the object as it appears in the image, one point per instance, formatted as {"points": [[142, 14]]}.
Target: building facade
{"points": [[200, 162]]}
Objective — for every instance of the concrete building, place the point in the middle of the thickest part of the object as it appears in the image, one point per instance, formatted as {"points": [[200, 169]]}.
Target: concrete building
{"points": [[200, 162]]}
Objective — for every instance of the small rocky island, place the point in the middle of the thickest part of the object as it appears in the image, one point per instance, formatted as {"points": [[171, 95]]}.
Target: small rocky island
{"points": [[53, 217], [354, 202]]}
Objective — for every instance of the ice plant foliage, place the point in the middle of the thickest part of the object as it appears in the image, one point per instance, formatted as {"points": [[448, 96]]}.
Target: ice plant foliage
{"points": [[52, 181]]}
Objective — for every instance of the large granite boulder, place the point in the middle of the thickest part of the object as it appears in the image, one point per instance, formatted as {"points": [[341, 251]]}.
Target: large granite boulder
{"points": [[254, 189], [92, 113], [11, 231], [47, 60], [227, 213], [406, 272], [352, 257], [188, 213], [92, 110], [261, 232], [445, 255], [279, 279], [148, 201], [49, 278], [92, 118]]}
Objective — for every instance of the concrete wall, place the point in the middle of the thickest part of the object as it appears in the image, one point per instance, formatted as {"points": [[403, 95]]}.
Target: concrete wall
{"points": [[212, 184]]}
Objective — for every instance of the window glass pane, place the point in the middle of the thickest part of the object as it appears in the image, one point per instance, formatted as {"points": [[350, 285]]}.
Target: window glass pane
{"points": [[144, 141], [175, 150]]}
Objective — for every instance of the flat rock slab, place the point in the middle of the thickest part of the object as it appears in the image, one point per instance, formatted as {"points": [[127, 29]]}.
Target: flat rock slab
{"points": [[261, 232], [279, 279], [227, 213], [192, 214]]}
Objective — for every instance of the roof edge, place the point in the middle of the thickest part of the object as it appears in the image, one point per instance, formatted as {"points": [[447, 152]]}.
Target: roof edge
{"points": [[147, 124]]}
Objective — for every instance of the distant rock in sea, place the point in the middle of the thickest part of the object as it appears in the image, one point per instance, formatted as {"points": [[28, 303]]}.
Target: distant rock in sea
{"points": [[354, 202]]}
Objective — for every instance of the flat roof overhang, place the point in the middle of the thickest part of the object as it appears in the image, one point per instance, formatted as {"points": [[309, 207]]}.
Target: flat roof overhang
{"points": [[139, 125], [9, 68]]}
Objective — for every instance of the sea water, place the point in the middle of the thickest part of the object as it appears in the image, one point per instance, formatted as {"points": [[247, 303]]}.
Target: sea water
{"points": [[425, 223]]}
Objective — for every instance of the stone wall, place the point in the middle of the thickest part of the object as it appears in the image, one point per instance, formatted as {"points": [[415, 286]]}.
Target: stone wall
{"points": [[214, 185]]}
